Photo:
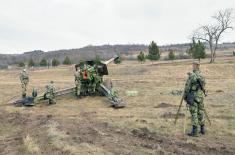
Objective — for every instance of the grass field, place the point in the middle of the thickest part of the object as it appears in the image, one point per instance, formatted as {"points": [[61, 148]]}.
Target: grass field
{"points": [[144, 126]]}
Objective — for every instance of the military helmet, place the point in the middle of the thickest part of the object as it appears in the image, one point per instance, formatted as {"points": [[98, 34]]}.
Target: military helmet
{"points": [[52, 82]]}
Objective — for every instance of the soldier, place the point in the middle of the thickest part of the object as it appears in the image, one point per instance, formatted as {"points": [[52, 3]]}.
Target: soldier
{"points": [[92, 82], [50, 93], [194, 95], [83, 81], [24, 78], [77, 82], [113, 92]]}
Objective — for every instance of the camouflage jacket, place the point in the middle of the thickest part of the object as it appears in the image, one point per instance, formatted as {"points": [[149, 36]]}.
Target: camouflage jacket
{"points": [[194, 83], [77, 75], [50, 89], [24, 77]]}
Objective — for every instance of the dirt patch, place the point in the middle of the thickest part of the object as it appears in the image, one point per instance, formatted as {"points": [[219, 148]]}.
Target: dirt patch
{"points": [[25, 126], [164, 105], [58, 135], [219, 91], [217, 106], [177, 146], [171, 115], [224, 117]]}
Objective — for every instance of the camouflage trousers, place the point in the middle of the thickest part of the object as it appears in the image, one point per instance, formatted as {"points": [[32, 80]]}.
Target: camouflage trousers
{"points": [[197, 112], [24, 88], [78, 88], [51, 98]]}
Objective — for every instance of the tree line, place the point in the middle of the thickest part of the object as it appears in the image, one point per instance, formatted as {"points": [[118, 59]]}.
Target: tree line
{"points": [[45, 62], [196, 51], [207, 33]]}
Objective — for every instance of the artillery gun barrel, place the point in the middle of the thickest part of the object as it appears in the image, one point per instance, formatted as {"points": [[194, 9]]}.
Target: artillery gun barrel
{"points": [[64, 91], [110, 60], [29, 100]]}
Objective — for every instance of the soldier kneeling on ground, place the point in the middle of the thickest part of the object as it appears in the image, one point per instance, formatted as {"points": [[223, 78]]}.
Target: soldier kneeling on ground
{"points": [[50, 93]]}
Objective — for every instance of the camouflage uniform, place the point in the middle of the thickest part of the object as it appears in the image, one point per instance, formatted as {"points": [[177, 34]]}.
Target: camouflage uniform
{"points": [[83, 80], [24, 78], [196, 107], [91, 77], [50, 93], [113, 95], [77, 82]]}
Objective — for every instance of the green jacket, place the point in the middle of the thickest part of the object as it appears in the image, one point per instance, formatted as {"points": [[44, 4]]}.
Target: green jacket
{"points": [[194, 83], [77, 75], [50, 89], [24, 77]]}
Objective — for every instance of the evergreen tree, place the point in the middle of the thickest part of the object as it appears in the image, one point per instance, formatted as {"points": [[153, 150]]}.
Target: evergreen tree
{"points": [[171, 55], [141, 57], [43, 62], [197, 50], [97, 59], [55, 62], [21, 64], [118, 60], [67, 61], [31, 63], [82, 62], [154, 52]]}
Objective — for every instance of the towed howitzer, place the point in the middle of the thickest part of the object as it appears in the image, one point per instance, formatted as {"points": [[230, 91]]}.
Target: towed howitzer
{"points": [[100, 70]]}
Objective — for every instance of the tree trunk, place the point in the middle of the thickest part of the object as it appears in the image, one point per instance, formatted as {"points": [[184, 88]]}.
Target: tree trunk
{"points": [[214, 51], [211, 61], [214, 55]]}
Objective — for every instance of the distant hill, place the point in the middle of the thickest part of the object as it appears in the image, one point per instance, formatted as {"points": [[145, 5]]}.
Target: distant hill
{"points": [[89, 52]]}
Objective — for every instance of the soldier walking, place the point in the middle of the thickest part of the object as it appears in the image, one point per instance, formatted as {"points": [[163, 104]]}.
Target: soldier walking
{"points": [[194, 96], [24, 79]]}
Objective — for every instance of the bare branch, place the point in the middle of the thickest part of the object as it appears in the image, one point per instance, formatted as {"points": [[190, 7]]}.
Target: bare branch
{"points": [[212, 33]]}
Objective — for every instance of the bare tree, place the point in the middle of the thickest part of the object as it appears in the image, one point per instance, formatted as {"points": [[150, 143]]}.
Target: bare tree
{"points": [[213, 32]]}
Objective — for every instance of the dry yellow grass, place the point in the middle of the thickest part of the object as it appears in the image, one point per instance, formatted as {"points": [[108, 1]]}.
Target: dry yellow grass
{"points": [[152, 84], [30, 145]]}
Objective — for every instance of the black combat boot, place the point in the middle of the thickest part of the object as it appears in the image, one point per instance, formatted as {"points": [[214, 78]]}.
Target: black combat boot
{"points": [[194, 132], [203, 129]]}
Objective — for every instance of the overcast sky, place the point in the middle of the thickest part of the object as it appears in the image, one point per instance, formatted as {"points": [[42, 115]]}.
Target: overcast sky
{"points": [[27, 25]]}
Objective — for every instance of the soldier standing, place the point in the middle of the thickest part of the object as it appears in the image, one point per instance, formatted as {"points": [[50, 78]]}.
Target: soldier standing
{"points": [[92, 82], [50, 93], [24, 78], [194, 96], [77, 82]]}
